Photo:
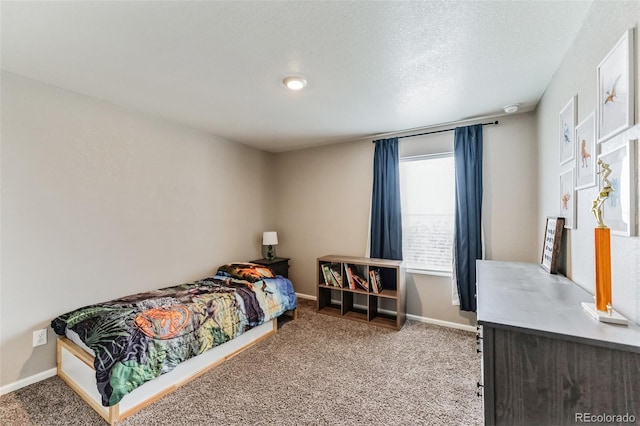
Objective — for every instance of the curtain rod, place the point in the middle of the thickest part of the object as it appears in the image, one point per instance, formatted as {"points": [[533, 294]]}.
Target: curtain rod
{"points": [[439, 131]]}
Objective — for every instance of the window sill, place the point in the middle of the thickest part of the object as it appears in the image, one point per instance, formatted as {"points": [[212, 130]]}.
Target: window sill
{"points": [[429, 272]]}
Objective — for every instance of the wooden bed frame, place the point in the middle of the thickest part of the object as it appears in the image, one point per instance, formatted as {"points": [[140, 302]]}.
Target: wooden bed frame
{"points": [[75, 367]]}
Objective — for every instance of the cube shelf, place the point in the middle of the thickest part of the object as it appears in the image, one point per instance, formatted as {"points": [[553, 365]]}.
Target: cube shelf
{"points": [[362, 289]]}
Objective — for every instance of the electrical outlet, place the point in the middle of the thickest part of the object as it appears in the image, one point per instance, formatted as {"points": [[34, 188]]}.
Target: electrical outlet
{"points": [[40, 337]]}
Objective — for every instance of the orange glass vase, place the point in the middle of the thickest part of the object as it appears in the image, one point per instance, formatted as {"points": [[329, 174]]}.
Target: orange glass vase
{"points": [[603, 268]]}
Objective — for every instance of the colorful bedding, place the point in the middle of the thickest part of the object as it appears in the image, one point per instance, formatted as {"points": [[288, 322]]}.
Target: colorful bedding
{"points": [[139, 337]]}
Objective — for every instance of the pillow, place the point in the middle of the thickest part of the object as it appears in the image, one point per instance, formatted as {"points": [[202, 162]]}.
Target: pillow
{"points": [[251, 272]]}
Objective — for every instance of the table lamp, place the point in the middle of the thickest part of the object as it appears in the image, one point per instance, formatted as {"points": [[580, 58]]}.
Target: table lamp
{"points": [[270, 239]]}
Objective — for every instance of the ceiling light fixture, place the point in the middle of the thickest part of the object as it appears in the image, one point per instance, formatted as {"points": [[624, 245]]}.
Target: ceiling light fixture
{"points": [[294, 83], [510, 109]]}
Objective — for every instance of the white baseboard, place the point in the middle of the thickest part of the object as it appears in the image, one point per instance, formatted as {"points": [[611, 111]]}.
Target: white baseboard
{"points": [[442, 323], [28, 381], [306, 296]]}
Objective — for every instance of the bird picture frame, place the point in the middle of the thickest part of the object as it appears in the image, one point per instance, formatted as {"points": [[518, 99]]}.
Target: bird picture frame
{"points": [[567, 199], [619, 209], [567, 129], [586, 152], [616, 89]]}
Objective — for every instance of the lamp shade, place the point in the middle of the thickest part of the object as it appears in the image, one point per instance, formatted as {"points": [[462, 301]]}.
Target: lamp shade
{"points": [[269, 238]]}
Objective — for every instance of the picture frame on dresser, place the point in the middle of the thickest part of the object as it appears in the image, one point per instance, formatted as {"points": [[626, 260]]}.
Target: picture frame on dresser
{"points": [[552, 241], [615, 91], [619, 209]]}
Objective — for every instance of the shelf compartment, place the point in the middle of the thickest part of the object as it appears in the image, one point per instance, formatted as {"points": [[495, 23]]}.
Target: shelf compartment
{"points": [[379, 314], [333, 310], [329, 297], [355, 277], [330, 273], [388, 278], [357, 314], [384, 321]]}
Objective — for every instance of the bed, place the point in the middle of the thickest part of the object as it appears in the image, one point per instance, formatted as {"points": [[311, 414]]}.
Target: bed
{"points": [[122, 355]]}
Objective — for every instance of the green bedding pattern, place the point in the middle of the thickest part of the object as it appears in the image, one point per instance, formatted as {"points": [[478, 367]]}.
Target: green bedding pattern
{"points": [[139, 337]]}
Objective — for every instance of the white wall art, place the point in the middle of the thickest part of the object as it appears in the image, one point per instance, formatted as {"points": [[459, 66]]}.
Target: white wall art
{"points": [[616, 88]]}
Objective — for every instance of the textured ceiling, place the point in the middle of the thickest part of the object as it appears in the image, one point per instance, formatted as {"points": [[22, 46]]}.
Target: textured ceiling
{"points": [[372, 67]]}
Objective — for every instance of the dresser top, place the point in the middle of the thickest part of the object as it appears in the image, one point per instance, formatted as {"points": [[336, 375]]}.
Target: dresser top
{"points": [[524, 296]]}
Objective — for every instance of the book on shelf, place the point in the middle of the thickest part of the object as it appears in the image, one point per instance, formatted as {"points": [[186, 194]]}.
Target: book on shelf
{"points": [[323, 268], [374, 278], [361, 282], [329, 279], [349, 275], [337, 277], [354, 280]]}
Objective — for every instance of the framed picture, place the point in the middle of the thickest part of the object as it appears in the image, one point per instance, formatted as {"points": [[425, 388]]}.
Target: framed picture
{"points": [[567, 199], [567, 129], [586, 154], [619, 210], [615, 88], [551, 246]]}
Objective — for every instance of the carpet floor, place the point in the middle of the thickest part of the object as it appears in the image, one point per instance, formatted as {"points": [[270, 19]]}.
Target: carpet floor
{"points": [[316, 370]]}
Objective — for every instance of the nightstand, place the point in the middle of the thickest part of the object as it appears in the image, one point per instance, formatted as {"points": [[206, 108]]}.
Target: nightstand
{"points": [[279, 265]]}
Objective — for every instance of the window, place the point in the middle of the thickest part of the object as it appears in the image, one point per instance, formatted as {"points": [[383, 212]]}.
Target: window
{"points": [[427, 197]]}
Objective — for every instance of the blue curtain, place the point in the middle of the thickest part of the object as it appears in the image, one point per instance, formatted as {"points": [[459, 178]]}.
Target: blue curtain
{"points": [[386, 219], [467, 152]]}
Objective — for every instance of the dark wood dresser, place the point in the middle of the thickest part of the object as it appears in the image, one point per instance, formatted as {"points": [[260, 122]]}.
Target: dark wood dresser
{"points": [[545, 361]]}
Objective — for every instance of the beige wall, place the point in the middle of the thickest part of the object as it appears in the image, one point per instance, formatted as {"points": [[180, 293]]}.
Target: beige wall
{"points": [[99, 202], [324, 196], [603, 26], [322, 207]]}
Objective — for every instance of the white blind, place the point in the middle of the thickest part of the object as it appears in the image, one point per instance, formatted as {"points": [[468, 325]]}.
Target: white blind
{"points": [[427, 196]]}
